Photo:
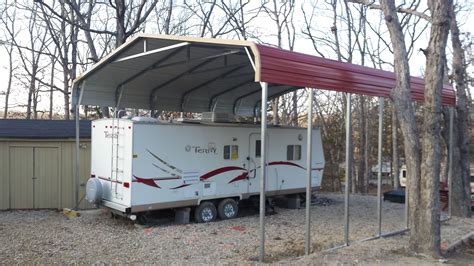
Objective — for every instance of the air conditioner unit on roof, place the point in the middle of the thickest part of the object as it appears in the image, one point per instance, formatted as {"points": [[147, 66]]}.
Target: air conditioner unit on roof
{"points": [[215, 117]]}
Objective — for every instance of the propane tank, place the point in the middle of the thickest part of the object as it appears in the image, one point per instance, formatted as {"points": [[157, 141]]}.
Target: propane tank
{"points": [[94, 190]]}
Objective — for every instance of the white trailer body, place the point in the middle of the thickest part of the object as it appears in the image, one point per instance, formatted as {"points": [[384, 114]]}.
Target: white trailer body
{"points": [[145, 166]]}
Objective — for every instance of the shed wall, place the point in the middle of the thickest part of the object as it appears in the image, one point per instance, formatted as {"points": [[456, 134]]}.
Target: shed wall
{"points": [[64, 188]]}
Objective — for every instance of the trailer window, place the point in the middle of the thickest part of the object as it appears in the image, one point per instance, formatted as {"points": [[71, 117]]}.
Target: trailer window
{"points": [[293, 152], [231, 152], [258, 148], [404, 174]]}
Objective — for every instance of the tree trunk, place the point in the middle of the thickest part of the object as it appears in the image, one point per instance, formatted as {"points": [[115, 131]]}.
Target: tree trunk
{"points": [[35, 103], [368, 171], [429, 238], [444, 143], [461, 180], [31, 91], [9, 84], [361, 175], [401, 98], [295, 108], [166, 27], [276, 118], [395, 151], [120, 32], [51, 88]]}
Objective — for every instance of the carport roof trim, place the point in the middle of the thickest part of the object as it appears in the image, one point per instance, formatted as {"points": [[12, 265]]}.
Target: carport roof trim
{"points": [[289, 68]]}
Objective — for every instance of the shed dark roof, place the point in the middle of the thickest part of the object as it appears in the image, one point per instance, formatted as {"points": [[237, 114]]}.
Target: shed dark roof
{"points": [[43, 129]]}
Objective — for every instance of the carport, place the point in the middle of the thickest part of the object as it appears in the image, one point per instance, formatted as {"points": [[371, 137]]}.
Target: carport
{"points": [[186, 74]]}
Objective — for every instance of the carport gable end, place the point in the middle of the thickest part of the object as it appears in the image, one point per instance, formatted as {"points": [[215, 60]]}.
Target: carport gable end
{"points": [[157, 165]]}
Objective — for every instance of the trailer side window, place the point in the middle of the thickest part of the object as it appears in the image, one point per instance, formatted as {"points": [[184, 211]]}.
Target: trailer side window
{"points": [[231, 152], [293, 152], [258, 148], [404, 174]]}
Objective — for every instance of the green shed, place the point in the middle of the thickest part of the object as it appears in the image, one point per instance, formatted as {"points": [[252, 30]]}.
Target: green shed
{"points": [[37, 163]]}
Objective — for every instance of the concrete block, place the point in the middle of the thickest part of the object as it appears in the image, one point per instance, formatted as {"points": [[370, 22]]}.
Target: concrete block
{"points": [[293, 202], [182, 215]]}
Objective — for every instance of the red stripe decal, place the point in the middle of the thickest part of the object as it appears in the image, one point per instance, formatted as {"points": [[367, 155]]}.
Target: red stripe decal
{"points": [[149, 182], [220, 171], [239, 177], [286, 163], [181, 186]]}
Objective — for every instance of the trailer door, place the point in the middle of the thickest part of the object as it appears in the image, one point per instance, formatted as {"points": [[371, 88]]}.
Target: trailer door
{"points": [[253, 162]]}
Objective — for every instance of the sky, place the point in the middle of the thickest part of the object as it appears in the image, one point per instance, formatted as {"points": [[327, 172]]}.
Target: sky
{"points": [[302, 45]]}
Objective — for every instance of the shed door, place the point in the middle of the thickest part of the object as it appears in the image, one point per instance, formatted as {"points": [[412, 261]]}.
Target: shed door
{"points": [[34, 173], [46, 182], [21, 178]]}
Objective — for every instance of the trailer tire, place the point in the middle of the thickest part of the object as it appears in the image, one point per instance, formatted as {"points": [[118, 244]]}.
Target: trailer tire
{"points": [[206, 212], [227, 209]]}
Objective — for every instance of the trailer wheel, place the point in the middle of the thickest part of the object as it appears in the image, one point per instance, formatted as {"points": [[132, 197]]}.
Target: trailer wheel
{"points": [[227, 209], [206, 212]]}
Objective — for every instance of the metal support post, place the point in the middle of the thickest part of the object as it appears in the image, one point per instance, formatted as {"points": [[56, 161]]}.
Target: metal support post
{"points": [[309, 169], [78, 153], [263, 167], [450, 161], [407, 205], [379, 174], [348, 168], [76, 166]]}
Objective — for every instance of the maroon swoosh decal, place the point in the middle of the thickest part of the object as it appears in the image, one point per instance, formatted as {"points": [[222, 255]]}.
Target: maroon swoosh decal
{"points": [[183, 185], [286, 163], [146, 181], [239, 177], [220, 171]]}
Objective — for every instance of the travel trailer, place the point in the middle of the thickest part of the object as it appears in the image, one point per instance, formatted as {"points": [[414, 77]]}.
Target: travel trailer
{"points": [[142, 164], [403, 178]]}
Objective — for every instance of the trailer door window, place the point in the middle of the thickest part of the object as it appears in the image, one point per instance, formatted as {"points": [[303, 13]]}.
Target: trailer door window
{"points": [[231, 152], [293, 152], [258, 148]]}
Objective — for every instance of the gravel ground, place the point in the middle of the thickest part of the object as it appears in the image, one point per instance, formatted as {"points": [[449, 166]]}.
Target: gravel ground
{"points": [[49, 237]]}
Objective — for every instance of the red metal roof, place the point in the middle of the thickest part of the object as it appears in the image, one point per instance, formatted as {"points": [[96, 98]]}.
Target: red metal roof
{"points": [[280, 66]]}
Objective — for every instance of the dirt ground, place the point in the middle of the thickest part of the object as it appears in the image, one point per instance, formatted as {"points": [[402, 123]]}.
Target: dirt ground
{"points": [[47, 236]]}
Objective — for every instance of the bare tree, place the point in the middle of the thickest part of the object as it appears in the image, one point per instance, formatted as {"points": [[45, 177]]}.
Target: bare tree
{"points": [[431, 130], [281, 13], [129, 17], [9, 50], [423, 186], [461, 183], [30, 55], [401, 97], [64, 38], [9, 47]]}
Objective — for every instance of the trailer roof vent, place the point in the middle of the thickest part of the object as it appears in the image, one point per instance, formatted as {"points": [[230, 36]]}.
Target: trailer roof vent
{"points": [[215, 117]]}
